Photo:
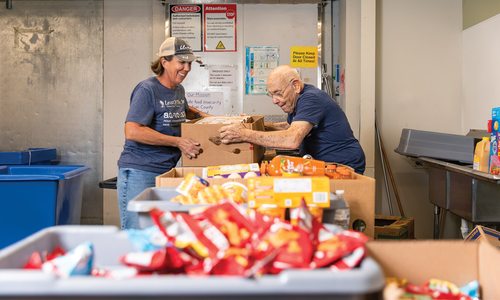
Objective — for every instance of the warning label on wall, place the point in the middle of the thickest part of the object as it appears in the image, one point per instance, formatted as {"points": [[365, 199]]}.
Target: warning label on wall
{"points": [[304, 56], [220, 27]]}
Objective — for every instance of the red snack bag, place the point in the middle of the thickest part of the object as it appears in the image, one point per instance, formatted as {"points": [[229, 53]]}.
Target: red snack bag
{"points": [[187, 233], [350, 261], [149, 261], [231, 222], [37, 259], [295, 247], [332, 247], [235, 262], [34, 262]]}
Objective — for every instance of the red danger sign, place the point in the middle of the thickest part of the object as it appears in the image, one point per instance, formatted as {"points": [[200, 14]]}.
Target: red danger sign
{"points": [[185, 8]]}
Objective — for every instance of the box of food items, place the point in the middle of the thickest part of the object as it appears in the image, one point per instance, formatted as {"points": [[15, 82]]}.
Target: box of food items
{"points": [[443, 269], [358, 190], [214, 152]]}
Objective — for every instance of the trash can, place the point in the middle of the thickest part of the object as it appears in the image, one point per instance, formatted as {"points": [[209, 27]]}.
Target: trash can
{"points": [[364, 282], [29, 156], [34, 197]]}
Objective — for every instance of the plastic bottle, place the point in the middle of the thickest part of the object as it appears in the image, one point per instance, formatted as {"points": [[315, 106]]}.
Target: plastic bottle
{"points": [[482, 155], [341, 211]]}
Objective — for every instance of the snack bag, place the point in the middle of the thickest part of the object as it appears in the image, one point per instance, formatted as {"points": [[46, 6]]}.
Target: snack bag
{"points": [[78, 261], [191, 185]]}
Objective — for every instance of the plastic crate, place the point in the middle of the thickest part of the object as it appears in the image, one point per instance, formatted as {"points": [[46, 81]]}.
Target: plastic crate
{"points": [[365, 282], [35, 197], [159, 198], [29, 156]]}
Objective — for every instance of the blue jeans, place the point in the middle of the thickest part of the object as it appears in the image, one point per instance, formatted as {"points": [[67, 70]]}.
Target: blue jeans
{"points": [[130, 183]]}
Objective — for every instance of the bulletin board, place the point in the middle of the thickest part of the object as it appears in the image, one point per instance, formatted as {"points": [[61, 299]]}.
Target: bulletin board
{"points": [[281, 26]]}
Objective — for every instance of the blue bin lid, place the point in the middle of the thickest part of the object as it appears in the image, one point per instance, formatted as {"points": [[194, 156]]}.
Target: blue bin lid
{"points": [[41, 172]]}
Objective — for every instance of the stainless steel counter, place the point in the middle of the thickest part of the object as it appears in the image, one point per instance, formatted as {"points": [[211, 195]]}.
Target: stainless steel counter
{"points": [[467, 193]]}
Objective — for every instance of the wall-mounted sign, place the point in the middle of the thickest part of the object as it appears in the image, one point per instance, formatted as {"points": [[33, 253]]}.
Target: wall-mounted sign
{"points": [[304, 56], [220, 27], [186, 23], [207, 101], [222, 75], [259, 62]]}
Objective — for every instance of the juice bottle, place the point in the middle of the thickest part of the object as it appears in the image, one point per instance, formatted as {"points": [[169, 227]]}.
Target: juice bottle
{"points": [[482, 155]]}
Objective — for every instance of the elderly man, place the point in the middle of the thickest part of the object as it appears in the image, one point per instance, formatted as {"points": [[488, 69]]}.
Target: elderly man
{"points": [[315, 123]]}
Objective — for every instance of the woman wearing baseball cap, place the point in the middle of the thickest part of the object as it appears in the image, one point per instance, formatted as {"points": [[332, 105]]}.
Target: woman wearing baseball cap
{"points": [[153, 144]]}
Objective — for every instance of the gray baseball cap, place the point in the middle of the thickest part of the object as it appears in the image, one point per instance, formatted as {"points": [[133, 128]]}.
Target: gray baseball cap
{"points": [[177, 47]]}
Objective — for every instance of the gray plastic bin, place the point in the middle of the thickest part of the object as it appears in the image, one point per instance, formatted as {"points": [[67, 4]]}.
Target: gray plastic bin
{"points": [[365, 282], [452, 147], [159, 198]]}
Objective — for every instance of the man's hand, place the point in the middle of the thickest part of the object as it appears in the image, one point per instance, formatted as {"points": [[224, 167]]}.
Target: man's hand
{"points": [[189, 147], [232, 133]]}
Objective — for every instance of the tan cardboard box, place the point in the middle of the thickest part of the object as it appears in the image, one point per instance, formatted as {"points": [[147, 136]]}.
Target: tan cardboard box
{"points": [[456, 261], [215, 153], [359, 193]]}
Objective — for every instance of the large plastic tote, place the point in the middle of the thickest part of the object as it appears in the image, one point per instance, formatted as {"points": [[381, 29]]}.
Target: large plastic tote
{"points": [[365, 282], [35, 197]]}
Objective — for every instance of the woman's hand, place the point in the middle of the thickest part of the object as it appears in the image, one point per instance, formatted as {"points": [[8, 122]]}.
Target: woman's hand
{"points": [[189, 147]]}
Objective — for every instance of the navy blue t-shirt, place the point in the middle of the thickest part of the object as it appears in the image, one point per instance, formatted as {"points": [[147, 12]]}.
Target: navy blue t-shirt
{"points": [[331, 138], [163, 110]]}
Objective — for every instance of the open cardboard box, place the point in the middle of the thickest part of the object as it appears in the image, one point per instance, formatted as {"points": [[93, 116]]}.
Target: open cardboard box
{"points": [[358, 192], [480, 233], [215, 154], [456, 261]]}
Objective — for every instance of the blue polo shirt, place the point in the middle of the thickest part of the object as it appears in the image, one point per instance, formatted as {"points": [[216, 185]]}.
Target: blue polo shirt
{"points": [[331, 138], [162, 109]]}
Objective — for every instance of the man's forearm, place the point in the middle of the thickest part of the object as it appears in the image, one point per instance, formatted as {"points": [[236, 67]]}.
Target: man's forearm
{"points": [[275, 139], [273, 126]]}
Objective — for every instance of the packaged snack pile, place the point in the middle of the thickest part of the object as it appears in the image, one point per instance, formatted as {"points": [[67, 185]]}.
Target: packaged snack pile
{"points": [[432, 289], [196, 190], [223, 239]]}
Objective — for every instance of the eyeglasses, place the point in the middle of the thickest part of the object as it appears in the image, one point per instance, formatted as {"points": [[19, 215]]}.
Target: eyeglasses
{"points": [[280, 93]]}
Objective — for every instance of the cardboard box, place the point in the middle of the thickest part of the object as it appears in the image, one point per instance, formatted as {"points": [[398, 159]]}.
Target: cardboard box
{"points": [[394, 227], [358, 192], [215, 153], [481, 233], [453, 260]]}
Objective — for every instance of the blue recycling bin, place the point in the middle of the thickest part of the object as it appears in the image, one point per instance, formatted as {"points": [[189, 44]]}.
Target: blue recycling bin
{"points": [[38, 196]]}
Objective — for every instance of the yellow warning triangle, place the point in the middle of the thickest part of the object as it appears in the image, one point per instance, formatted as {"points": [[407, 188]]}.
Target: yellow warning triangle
{"points": [[220, 45]]}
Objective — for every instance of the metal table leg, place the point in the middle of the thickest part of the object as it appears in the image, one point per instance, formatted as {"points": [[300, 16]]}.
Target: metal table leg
{"points": [[437, 212]]}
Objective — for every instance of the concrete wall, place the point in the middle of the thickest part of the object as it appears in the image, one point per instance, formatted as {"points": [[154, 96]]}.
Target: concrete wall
{"points": [[51, 85], [419, 84]]}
